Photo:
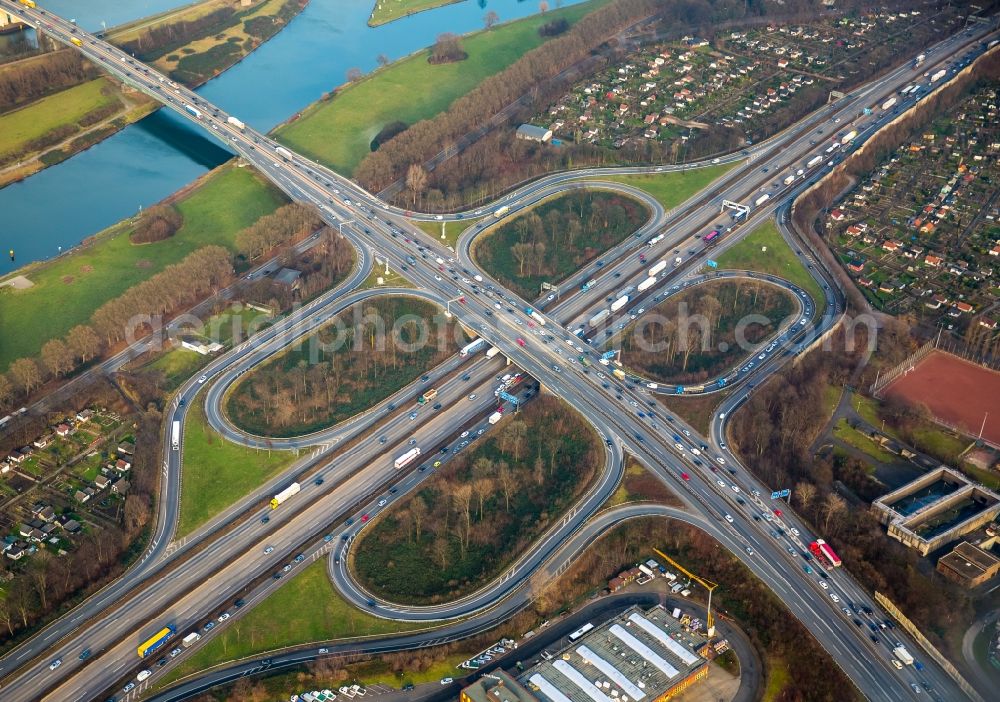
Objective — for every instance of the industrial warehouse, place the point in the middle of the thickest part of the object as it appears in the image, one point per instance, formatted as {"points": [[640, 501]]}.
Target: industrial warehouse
{"points": [[638, 656]]}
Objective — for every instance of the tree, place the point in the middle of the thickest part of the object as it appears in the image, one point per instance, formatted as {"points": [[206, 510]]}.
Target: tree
{"points": [[543, 7], [416, 180], [26, 374], [490, 19], [6, 391], [418, 510], [447, 48], [136, 515], [806, 493], [833, 506], [507, 483], [157, 223], [57, 357], [382, 60], [354, 74], [84, 342]]}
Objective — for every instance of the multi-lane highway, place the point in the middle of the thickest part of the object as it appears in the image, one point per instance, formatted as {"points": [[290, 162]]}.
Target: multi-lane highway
{"points": [[728, 508]]}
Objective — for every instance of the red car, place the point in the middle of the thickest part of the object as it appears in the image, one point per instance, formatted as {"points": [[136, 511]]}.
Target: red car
{"points": [[462, 299], [685, 476], [642, 258], [520, 341], [777, 513], [364, 517]]}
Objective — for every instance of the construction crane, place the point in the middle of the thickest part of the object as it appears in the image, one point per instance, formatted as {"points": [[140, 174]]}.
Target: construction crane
{"points": [[707, 584]]}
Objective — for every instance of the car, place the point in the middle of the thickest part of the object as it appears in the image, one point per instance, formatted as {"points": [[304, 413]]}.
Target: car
{"points": [[55, 664], [721, 460], [473, 396], [835, 597], [413, 415], [328, 538], [382, 439], [383, 502], [778, 513], [823, 584], [299, 558], [239, 603], [364, 518], [209, 626], [202, 379], [721, 483], [873, 638], [223, 617], [349, 521], [437, 463], [129, 687], [685, 476], [447, 681], [318, 481], [807, 569], [84, 654], [162, 662], [729, 518], [520, 342], [896, 664], [735, 488], [176, 652], [268, 550]]}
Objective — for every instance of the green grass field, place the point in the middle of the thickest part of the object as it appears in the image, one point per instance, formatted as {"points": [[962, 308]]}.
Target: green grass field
{"points": [[778, 259], [217, 473], [64, 107], [386, 11], [853, 437], [67, 291], [305, 609], [452, 229], [410, 90], [673, 188]]}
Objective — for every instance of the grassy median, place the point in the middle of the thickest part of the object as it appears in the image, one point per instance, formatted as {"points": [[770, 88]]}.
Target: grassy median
{"points": [[217, 472], [765, 251], [410, 90], [674, 187], [306, 609]]}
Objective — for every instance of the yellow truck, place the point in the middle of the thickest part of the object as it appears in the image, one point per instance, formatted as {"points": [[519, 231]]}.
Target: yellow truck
{"points": [[27, 3], [75, 41]]}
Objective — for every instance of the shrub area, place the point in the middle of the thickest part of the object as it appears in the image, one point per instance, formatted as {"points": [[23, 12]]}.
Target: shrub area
{"points": [[482, 508], [333, 375], [699, 334], [557, 238], [157, 223]]}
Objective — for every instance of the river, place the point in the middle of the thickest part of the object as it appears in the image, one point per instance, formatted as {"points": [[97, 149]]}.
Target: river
{"points": [[60, 206]]}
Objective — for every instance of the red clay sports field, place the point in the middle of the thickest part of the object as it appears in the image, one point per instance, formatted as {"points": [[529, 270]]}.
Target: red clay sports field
{"points": [[957, 392]]}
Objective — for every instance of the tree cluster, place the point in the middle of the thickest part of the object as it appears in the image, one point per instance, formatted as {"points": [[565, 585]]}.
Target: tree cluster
{"points": [[483, 507], [322, 267], [58, 358], [331, 376], [283, 226], [697, 336], [554, 28], [447, 49], [157, 223], [558, 237], [26, 81], [163, 38]]}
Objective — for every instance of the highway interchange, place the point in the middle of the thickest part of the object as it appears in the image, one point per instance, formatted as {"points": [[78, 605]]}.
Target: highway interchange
{"points": [[199, 576]]}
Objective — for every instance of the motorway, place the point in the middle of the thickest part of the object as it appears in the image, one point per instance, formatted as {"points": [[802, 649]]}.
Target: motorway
{"points": [[210, 575]]}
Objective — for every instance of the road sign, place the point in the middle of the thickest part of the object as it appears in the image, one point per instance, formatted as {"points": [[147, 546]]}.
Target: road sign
{"points": [[608, 355], [711, 264], [778, 494], [510, 398]]}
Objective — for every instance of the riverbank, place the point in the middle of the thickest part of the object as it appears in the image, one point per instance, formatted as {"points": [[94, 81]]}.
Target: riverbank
{"points": [[409, 90], [54, 128], [386, 11]]}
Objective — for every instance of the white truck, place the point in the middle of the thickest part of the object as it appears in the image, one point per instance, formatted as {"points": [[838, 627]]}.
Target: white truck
{"points": [[406, 458], [282, 496], [902, 654], [284, 153], [888, 103], [814, 161], [175, 435], [538, 318], [619, 303], [501, 211], [647, 284], [237, 123], [656, 269], [492, 352], [495, 417], [938, 76], [190, 639], [849, 137], [762, 199], [677, 261], [599, 317], [789, 180]]}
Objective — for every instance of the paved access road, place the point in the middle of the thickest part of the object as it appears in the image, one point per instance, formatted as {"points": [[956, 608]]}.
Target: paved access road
{"points": [[343, 203]]}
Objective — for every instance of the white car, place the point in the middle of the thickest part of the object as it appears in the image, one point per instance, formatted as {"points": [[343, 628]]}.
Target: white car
{"points": [[223, 617], [473, 396], [447, 681], [794, 531], [464, 434], [383, 502], [822, 584], [55, 664], [143, 674], [678, 447], [268, 550], [896, 664], [729, 518], [720, 483], [721, 460], [736, 488], [202, 379], [696, 452], [835, 597]]}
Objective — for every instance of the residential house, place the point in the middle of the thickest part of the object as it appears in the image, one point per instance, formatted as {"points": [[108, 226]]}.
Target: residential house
{"points": [[63, 429], [101, 481], [126, 448]]}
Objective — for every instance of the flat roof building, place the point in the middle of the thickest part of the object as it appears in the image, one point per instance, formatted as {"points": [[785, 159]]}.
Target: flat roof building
{"points": [[636, 657], [497, 686], [533, 133], [970, 565]]}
